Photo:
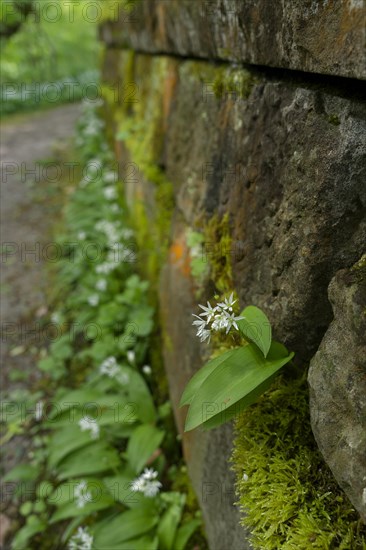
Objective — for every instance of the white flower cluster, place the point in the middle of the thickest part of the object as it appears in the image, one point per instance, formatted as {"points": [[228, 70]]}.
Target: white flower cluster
{"points": [[147, 483], [38, 415], [146, 369], [126, 233], [101, 285], [110, 193], [110, 368], [110, 177], [131, 356], [82, 540], [89, 424], [56, 317], [110, 229], [82, 495], [105, 268], [93, 300], [220, 317]]}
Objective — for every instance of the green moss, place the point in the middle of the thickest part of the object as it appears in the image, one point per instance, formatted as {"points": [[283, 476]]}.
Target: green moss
{"points": [[140, 129], [289, 498], [218, 243], [221, 81], [361, 264], [200, 269], [334, 119], [235, 83]]}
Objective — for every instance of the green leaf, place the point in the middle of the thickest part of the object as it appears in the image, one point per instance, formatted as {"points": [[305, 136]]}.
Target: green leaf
{"points": [[143, 543], [143, 442], [72, 399], [26, 508], [197, 380], [64, 499], [238, 378], [32, 527], [184, 533], [168, 526], [256, 328], [140, 396], [22, 472], [95, 458], [120, 488], [123, 527], [65, 441]]}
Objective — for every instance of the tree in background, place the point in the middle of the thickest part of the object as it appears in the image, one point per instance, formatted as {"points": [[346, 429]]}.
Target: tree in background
{"points": [[13, 13]]}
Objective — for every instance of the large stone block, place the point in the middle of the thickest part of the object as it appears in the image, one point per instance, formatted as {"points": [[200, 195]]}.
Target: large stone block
{"points": [[337, 379], [285, 161], [325, 36]]}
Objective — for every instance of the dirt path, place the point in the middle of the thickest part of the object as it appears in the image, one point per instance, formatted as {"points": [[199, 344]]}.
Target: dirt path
{"points": [[28, 211]]}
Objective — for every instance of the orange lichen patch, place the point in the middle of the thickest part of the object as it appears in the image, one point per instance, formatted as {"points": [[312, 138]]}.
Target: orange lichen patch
{"points": [[179, 256]]}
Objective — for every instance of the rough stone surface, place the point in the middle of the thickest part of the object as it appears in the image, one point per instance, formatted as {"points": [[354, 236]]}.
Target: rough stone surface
{"points": [[286, 161], [325, 36], [288, 165], [337, 379]]}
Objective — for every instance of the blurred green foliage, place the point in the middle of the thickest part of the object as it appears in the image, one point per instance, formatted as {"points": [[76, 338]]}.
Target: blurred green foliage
{"points": [[55, 43]]}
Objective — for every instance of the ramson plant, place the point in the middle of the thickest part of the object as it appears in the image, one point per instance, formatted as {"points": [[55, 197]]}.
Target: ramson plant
{"points": [[232, 381]]}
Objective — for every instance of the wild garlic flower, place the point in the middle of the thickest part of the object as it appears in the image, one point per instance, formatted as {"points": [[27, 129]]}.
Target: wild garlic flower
{"points": [[56, 317], [220, 317], [110, 177], [82, 540], [147, 483], [38, 414], [110, 229], [127, 233], [109, 367], [203, 333], [105, 268], [93, 300], [81, 494], [89, 424], [146, 369], [131, 356], [110, 193], [81, 236], [101, 285]]}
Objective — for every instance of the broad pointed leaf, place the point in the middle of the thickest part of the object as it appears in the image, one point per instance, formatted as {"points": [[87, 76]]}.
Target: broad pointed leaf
{"points": [[256, 328], [197, 380], [95, 458], [123, 527], [143, 442], [234, 380], [184, 533]]}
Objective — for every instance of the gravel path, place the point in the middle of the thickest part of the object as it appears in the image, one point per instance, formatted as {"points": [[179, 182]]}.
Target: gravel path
{"points": [[29, 208]]}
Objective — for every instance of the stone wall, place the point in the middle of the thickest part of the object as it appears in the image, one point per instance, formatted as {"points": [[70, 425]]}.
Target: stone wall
{"points": [[269, 166]]}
